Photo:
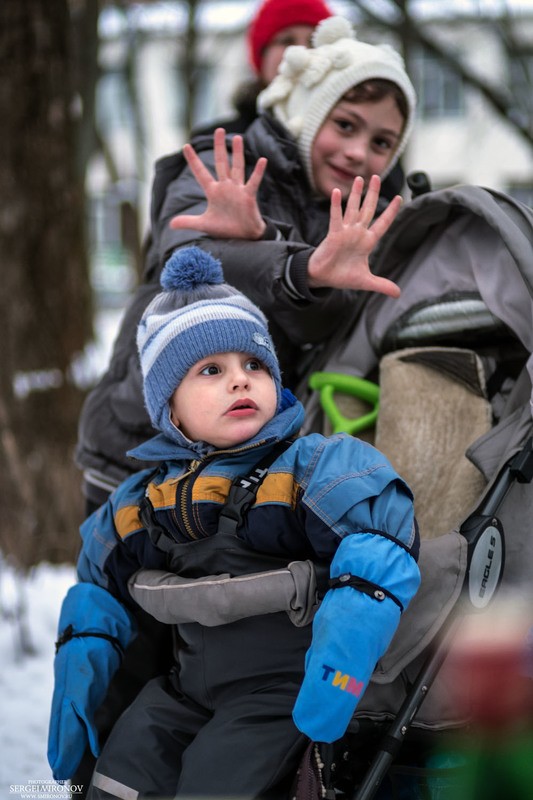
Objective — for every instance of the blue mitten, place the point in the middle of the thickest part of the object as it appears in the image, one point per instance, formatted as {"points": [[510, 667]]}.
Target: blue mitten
{"points": [[94, 629], [351, 631]]}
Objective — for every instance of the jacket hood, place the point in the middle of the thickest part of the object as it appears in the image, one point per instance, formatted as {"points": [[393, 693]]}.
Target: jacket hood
{"points": [[269, 137], [286, 423], [285, 189]]}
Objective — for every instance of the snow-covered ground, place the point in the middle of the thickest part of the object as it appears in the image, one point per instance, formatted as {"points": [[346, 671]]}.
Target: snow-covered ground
{"points": [[26, 678]]}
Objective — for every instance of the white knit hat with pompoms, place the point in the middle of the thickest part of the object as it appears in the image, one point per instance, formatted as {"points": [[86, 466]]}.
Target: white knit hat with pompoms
{"points": [[311, 81]]}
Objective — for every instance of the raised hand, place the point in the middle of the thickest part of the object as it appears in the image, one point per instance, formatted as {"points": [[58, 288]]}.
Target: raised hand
{"points": [[341, 259], [232, 211]]}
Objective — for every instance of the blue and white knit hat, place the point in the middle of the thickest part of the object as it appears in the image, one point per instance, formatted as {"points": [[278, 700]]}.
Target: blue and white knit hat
{"points": [[197, 315]]}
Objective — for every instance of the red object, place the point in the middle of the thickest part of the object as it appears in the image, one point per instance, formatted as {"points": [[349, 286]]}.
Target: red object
{"points": [[275, 15], [491, 686]]}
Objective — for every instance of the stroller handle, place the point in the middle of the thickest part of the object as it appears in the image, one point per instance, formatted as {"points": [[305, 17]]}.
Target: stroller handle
{"points": [[328, 383], [519, 469]]}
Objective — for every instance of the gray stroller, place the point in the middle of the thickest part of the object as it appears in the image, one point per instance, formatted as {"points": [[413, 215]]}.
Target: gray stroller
{"points": [[441, 381], [453, 360]]}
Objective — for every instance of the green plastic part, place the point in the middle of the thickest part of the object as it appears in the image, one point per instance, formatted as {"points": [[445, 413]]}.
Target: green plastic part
{"points": [[328, 383]]}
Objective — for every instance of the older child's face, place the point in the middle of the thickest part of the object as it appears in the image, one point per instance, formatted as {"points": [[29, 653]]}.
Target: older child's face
{"points": [[224, 400], [356, 139]]}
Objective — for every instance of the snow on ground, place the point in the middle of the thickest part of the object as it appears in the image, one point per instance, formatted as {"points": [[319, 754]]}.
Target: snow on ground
{"points": [[26, 679]]}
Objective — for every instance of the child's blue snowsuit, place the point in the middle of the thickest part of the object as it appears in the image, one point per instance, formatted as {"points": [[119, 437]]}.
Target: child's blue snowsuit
{"points": [[229, 719]]}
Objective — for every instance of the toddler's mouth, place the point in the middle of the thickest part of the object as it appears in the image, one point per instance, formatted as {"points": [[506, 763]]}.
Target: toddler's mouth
{"points": [[241, 407]]}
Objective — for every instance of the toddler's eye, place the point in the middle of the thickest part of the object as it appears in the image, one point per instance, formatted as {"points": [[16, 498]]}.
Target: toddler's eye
{"points": [[210, 369], [254, 365]]}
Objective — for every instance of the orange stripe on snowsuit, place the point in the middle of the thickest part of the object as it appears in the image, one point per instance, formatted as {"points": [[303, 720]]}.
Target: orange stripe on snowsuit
{"points": [[127, 520], [278, 488], [211, 489], [163, 495]]}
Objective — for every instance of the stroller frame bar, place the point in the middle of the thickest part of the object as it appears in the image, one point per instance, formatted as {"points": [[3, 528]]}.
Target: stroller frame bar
{"points": [[519, 469]]}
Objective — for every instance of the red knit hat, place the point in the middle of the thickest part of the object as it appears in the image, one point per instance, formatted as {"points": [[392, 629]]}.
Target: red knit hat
{"points": [[275, 15]]}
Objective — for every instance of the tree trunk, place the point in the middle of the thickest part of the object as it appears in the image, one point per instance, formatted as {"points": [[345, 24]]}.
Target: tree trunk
{"points": [[45, 297]]}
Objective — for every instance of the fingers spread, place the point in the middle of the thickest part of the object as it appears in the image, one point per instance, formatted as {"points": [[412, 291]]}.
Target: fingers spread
{"points": [[237, 167], [384, 221], [186, 221], [368, 209], [383, 286]]}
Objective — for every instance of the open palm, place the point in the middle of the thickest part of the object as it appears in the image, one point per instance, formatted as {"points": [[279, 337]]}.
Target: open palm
{"points": [[232, 211], [341, 259]]}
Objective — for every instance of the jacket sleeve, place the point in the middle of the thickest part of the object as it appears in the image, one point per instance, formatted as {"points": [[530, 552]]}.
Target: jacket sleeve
{"points": [[374, 573], [114, 419], [116, 543]]}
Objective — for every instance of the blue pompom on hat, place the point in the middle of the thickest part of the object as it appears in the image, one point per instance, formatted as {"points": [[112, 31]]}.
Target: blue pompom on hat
{"points": [[197, 315]]}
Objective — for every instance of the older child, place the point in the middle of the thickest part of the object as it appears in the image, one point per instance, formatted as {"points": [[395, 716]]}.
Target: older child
{"points": [[276, 25], [336, 116], [232, 717]]}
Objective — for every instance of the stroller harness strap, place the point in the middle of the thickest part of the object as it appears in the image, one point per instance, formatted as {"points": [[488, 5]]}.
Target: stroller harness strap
{"points": [[244, 488], [159, 536], [373, 590]]}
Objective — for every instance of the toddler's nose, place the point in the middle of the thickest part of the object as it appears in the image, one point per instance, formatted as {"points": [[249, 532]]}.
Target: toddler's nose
{"points": [[239, 379]]}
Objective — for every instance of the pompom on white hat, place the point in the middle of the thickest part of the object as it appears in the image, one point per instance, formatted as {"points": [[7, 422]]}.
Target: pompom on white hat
{"points": [[311, 81]]}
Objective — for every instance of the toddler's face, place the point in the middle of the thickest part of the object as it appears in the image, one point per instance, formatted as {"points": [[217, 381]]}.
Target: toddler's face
{"points": [[356, 139], [224, 400]]}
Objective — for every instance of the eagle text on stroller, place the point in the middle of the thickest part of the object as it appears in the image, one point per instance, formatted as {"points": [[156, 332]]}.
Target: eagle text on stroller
{"points": [[486, 548], [44, 790], [342, 680]]}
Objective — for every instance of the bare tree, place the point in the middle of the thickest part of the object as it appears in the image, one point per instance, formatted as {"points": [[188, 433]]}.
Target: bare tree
{"points": [[48, 55], [500, 98], [189, 64], [45, 298]]}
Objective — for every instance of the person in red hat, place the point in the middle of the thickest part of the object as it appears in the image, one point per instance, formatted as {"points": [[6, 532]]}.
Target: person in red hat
{"points": [[276, 25]]}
